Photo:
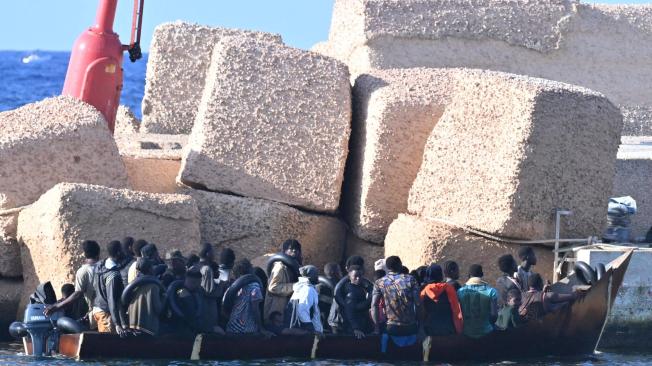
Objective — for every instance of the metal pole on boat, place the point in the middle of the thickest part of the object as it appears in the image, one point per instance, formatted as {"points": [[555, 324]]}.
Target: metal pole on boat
{"points": [[557, 265]]}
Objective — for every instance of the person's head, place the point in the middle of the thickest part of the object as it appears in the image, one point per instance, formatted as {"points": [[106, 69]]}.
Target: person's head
{"points": [[393, 264], [476, 271], [536, 282], [114, 249], [67, 290], [193, 279], [311, 273], [452, 270], [291, 248], [332, 270], [192, 260], [355, 274], [149, 251], [175, 261], [507, 264], [144, 266], [127, 246], [514, 298], [227, 258], [421, 274], [434, 274], [91, 249], [379, 273], [207, 253], [138, 247], [354, 260], [276, 318], [405, 270], [527, 256], [241, 268]]}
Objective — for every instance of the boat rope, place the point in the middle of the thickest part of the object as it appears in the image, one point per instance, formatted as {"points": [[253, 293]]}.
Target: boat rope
{"points": [[606, 318], [427, 345], [315, 344], [589, 240], [196, 347]]}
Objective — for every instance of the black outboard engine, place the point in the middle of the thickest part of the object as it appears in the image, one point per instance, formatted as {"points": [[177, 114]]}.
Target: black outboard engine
{"points": [[43, 330]]}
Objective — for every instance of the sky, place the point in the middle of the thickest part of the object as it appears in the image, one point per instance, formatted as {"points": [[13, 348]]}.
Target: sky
{"points": [[53, 25]]}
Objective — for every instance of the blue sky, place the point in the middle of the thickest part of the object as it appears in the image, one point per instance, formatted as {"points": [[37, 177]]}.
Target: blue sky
{"points": [[54, 24]]}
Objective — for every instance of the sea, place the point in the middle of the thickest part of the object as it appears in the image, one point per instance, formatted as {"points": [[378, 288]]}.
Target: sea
{"points": [[30, 76]]}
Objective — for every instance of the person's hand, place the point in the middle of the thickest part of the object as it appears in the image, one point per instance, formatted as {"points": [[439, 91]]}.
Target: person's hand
{"points": [[358, 334], [267, 334], [121, 332], [49, 309]]}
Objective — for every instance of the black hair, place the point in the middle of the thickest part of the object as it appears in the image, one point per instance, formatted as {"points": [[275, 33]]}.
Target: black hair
{"points": [[514, 294], [434, 274], [393, 264], [127, 245], [114, 249], [354, 260], [274, 314], [144, 266], [91, 249], [260, 273], [536, 281], [525, 252], [138, 246], [291, 244], [193, 272], [205, 249], [331, 268], [405, 270], [192, 260], [476, 271], [379, 273], [227, 257], [451, 269], [355, 267], [67, 289], [507, 263], [241, 268]]}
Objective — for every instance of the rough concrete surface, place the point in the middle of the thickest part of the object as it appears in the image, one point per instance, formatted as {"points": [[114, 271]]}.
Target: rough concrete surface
{"points": [[633, 178], [56, 140], [255, 227], [371, 252], [10, 266], [178, 60], [126, 123], [602, 47], [420, 242], [11, 291], [51, 231], [509, 150], [274, 123]]}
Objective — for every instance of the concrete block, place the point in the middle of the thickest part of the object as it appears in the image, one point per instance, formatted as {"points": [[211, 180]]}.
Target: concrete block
{"points": [[255, 227], [51, 231], [126, 123], [421, 242], [56, 140], [510, 150], [274, 123], [178, 60], [371, 252], [593, 45]]}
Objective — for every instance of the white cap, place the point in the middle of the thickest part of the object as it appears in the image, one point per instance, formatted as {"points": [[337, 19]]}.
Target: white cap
{"points": [[380, 265]]}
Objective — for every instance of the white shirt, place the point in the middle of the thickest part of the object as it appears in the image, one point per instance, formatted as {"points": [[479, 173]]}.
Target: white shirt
{"points": [[307, 297]]}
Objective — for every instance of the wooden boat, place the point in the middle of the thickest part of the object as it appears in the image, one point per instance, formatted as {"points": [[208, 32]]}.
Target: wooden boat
{"points": [[574, 330]]}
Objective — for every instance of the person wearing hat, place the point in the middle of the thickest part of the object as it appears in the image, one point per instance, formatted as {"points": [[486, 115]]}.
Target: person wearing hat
{"points": [[281, 280], [176, 267], [302, 311], [479, 303], [147, 301], [442, 314]]}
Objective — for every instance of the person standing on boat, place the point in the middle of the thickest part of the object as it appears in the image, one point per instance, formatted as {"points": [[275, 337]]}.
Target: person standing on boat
{"points": [[176, 268], [452, 273], [83, 282], [245, 316], [302, 311], [127, 244], [186, 305], [138, 247], [506, 281], [326, 290], [524, 271], [400, 293], [109, 315], [353, 296], [147, 300], [479, 303], [442, 314], [212, 293], [282, 278]]}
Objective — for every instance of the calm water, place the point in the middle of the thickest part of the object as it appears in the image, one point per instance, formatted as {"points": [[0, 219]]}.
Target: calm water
{"points": [[29, 76], [10, 355]]}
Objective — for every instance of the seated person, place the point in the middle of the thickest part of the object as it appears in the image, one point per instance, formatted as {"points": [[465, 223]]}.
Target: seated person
{"points": [[354, 299], [332, 274], [302, 312], [506, 281], [442, 314], [508, 316], [452, 274], [78, 309], [147, 301], [538, 301], [479, 303], [245, 316], [188, 298]]}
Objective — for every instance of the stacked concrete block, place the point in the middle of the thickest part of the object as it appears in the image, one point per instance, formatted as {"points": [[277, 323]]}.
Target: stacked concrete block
{"points": [[51, 231], [510, 150], [274, 123], [371, 252], [179, 58], [601, 47], [255, 227], [56, 140], [421, 242], [126, 123]]}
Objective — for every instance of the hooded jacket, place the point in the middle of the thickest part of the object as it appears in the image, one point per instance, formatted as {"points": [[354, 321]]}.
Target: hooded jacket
{"points": [[441, 294], [306, 304]]}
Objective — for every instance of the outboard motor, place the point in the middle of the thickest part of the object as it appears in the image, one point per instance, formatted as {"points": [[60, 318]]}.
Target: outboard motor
{"points": [[43, 330]]}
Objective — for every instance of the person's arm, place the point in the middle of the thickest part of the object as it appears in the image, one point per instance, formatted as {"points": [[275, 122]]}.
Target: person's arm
{"points": [[456, 310], [158, 301], [49, 309], [375, 300], [494, 306], [114, 289], [316, 315], [277, 284]]}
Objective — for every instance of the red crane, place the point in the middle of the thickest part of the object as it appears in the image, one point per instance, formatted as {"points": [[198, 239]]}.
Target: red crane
{"points": [[95, 69]]}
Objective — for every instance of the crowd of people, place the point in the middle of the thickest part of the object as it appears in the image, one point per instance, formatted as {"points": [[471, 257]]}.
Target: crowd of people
{"points": [[135, 291]]}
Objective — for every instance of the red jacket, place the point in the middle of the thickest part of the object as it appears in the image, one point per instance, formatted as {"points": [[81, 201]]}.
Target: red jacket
{"points": [[433, 290]]}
